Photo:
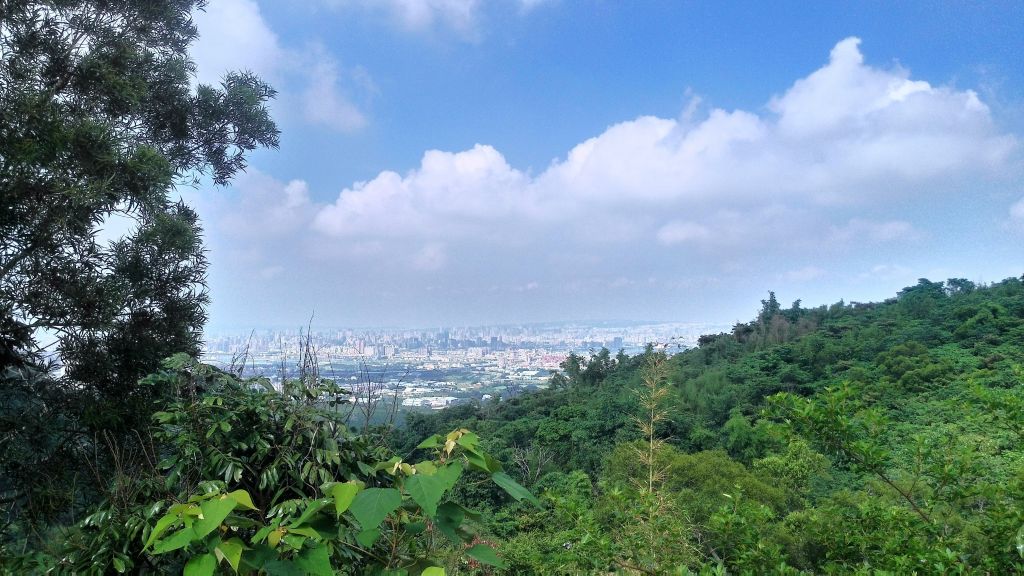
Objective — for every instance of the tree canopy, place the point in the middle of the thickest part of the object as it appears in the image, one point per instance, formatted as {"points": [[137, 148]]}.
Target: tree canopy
{"points": [[100, 119]]}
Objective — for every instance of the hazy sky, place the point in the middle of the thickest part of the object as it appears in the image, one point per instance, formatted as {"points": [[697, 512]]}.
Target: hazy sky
{"points": [[469, 161]]}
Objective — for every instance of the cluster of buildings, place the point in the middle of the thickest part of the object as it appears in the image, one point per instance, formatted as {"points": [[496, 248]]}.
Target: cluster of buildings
{"points": [[432, 369]]}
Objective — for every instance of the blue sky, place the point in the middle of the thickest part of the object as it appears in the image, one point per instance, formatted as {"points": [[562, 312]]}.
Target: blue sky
{"points": [[458, 161]]}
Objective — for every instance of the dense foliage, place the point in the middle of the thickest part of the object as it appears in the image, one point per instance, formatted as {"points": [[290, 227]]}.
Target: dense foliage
{"points": [[851, 438], [99, 119], [252, 480]]}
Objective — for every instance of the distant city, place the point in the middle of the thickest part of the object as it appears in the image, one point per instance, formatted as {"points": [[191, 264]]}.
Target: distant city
{"points": [[424, 369]]}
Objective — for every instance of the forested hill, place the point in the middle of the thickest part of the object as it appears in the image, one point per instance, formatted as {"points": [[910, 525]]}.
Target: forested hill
{"points": [[853, 437]]}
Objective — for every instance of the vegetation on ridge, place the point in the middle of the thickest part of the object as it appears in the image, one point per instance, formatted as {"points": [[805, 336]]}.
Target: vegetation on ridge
{"points": [[899, 422]]}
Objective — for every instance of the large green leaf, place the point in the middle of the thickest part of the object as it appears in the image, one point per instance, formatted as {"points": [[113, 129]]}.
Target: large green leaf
{"points": [[426, 491], [372, 505], [202, 565], [468, 440], [432, 442], [232, 551], [433, 571], [314, 507], [315, 561], [161, 525], [179, 539], [367, 538], [343, 495], [214, 512], [449, 518], [513, 488], [242, 498], [282, 568], [482, 461], [450, 474], [485, 554]]}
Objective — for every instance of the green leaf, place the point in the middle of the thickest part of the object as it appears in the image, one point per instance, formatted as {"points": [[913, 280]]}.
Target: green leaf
{"points": [[483, 462], [316, 561], [449, 518], [387, 464], [282, 568], [426, 491], [433, 571], [178, 540], [255, 557], [432, 442], [232, 551], [242, 498], [314, 507], [261, 534], [486, 555], [426, 467], [514, 489], [161, 525], [343, 495], [119, 565], [468, 441], [366, 538], [372, 505], [202, 565], [450, 474], [304, 531], [214, 512]]}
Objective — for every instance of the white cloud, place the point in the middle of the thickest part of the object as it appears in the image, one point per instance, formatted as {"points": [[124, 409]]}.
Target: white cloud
{"points": [[324, 103], [259, 207], [450, 195], [1017, 212], [458, 15], [851, 159], [845, 138], [233, 36]]}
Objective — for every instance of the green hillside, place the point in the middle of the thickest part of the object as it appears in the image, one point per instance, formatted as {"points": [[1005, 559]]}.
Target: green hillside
{"points": [[848, 438]]}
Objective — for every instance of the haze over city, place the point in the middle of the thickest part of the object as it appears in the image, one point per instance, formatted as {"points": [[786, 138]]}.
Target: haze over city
{"points": [[464, 162]]}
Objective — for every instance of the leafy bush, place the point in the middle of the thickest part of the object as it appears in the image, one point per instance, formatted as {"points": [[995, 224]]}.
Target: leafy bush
{"points": [[257, 480]]}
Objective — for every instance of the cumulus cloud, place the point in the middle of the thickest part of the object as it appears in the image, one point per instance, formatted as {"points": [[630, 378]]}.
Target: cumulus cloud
{"points": [[233, 36], [844, 161], [451, 195], [845, 137]]}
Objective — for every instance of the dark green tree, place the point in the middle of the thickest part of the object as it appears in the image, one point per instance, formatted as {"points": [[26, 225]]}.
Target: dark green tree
{"points": [[100, 119]]}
